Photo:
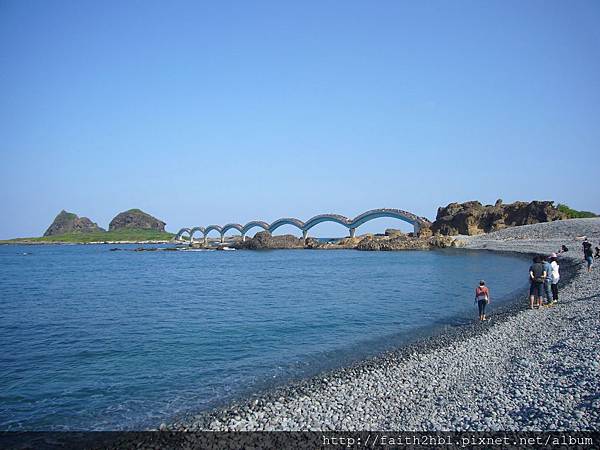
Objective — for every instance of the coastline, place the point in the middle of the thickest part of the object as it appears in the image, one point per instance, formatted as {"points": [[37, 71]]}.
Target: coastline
{"points": [[436, 383], [13, 242]]}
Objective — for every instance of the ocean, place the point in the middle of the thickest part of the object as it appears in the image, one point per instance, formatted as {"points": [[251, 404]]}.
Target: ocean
{"points": [[93, 339]]}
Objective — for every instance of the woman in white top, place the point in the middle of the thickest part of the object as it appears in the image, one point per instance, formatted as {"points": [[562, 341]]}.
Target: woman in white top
{"points": [[555, 276]]}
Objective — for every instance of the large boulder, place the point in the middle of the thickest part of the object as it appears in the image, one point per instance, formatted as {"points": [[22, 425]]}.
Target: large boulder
{"points": [[136, 218], [264, 240], [472, 217], [66, 222]]}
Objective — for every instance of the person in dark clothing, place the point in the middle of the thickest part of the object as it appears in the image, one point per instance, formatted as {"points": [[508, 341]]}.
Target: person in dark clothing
{"points": [[587, 254], [597, 254], [563, 249], [537, 275]]}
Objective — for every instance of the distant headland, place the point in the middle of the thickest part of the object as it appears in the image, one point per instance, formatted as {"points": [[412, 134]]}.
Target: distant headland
{"points": [[468, 218], [133, 225]]}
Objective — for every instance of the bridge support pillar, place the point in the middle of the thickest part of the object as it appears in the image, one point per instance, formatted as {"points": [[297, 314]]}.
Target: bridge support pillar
{"points": [[243, 237], [352, 232], [205, 239], [416, 229], [222, 238], [304, 234]]}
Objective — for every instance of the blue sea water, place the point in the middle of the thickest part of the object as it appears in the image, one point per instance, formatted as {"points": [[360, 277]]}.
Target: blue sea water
{"points": [[95, 340]]}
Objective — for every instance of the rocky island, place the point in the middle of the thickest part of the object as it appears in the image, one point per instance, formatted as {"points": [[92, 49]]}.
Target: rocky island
{"points": [[136, 219], [67, 222], [131, 226]]}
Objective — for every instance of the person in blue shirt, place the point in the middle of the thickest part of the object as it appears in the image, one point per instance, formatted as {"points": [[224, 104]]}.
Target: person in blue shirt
{"points": [[548, 281]]}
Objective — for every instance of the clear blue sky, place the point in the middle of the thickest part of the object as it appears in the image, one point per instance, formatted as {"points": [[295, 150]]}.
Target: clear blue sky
{"points": [[212, 112]]}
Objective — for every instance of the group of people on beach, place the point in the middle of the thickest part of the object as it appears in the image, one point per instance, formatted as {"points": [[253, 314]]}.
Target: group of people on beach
{"points": [[543, 281], [544, 275]]}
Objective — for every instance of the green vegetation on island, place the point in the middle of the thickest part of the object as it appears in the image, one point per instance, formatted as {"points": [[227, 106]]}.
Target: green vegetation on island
{"points": [[127, 234], [133, 225], [574, 214]]}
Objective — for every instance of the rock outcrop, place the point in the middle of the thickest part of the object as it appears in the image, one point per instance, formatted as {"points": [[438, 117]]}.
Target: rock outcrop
{"points": [[391, 241], [136, 218], [343, 243], [264, 240], [66, 222], [403, 242], [472, 218]]}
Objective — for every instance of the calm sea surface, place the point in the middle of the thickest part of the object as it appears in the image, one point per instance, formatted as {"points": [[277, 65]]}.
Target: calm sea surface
{"points": [[94, 339]]}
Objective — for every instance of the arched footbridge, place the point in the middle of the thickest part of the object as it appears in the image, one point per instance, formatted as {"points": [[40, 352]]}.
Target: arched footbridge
{"points": [[352, 224]]}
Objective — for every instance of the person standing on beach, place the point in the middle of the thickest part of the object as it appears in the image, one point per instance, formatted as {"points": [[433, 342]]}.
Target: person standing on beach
{"points": [[537, 275], [555, 276], [587, 254], [547, 280], [482, 298]]}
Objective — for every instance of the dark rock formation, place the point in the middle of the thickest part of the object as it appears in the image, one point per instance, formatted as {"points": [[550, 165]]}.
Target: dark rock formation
{"points": [[404, 242], [473, 218], [66, 222], [138, 219], [347, 242], [425, 231], [264, 240], [389, 242]]}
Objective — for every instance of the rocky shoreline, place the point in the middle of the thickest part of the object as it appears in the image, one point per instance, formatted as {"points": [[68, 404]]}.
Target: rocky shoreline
{"points": [[523, 370]]}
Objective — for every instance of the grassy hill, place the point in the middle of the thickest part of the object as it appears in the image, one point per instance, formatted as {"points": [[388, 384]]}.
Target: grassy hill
{"points": [[574, 214], [128, 234]]}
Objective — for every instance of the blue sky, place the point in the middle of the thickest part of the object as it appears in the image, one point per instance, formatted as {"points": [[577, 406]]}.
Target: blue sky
{"points": [[215, 112]]}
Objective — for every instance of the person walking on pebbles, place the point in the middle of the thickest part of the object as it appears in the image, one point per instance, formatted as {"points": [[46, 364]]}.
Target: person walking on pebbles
{"points": [[537, 275], [482, 298], [587, 254]]}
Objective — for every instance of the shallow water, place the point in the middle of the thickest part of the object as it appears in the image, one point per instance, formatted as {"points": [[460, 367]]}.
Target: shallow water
{"points": [[93, 339]]}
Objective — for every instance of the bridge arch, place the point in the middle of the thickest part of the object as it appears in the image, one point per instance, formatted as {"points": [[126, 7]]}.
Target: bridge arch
{"points": [[193, 231], [337, 218], [286, 221], [253, 224], [232, 226], [210, 228], [181, 232], [406, 216]]}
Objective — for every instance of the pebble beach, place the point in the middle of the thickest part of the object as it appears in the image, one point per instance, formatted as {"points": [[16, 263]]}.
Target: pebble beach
{"points": [[523, 370]]}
